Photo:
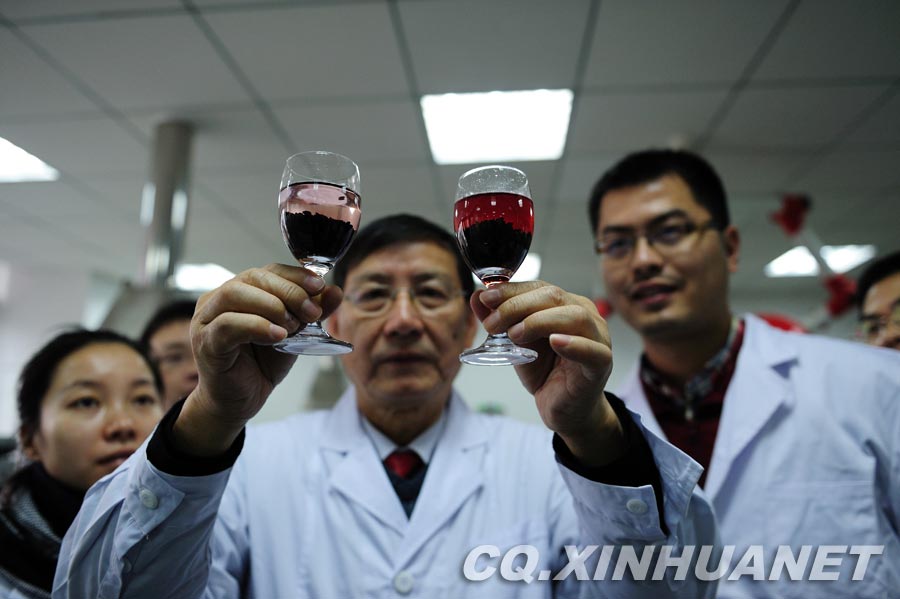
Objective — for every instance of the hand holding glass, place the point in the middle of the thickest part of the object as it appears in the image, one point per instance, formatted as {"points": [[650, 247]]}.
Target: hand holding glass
{"points": [[494, 221], [319, 205]]}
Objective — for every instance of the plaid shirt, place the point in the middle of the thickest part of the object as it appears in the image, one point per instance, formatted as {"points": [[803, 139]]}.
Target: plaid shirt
{"points": [[690, 416]]}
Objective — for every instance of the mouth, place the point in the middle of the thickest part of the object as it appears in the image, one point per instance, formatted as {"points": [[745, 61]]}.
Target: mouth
{"points": [[403, 359], [652, 294], [115, 459]]}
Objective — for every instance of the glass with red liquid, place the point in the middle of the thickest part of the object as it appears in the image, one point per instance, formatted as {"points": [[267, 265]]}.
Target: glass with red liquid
{"points": [[319, 207], [494, 220]]}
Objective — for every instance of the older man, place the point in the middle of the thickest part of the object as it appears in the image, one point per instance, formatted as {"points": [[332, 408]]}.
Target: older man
{"points": [[799, 434], [400, 489]]}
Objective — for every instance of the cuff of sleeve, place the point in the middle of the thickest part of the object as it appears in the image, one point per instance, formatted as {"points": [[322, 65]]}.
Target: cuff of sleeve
{"points": [[636, 468], [167, 458]]}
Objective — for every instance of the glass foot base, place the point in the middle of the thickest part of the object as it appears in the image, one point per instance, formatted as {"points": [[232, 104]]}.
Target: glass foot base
{"points": [[500, 354], [313, 345]]}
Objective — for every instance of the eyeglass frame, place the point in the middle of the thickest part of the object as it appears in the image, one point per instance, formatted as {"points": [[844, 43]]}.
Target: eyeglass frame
{"points": [[352, 298], [653, 240], [884, 322]]}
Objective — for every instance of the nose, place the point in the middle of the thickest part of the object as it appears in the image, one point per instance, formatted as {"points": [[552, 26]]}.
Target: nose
{"points": [[403, 318], [645, 259], [119, 425]]}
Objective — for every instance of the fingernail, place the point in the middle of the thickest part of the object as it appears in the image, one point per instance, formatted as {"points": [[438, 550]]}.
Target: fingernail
{"points": [[491, 321], [310, 310], [516, 331], [276, 332], [490, 298], [314, 284], [560, 340]]}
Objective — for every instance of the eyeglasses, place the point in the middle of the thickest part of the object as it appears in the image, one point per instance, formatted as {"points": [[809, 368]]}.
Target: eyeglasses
{"points": [[667, 237], [871, 327], [174, 359], [429, 298]]}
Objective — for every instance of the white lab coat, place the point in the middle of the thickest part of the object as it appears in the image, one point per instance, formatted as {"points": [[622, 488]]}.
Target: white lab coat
{"points": [[308, 512], [807, 453]]}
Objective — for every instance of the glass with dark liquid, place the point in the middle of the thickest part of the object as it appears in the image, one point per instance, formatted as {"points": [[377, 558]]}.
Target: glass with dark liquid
{"points": [[319, 204], [494, 220]]}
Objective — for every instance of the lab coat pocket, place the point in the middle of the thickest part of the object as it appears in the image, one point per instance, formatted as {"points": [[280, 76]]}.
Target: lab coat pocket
{"points": [[831, 518], [517, 556]]}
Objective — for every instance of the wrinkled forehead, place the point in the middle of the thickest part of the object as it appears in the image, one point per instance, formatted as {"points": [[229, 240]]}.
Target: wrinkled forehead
{"points": [[405, 264], [639, 204]]}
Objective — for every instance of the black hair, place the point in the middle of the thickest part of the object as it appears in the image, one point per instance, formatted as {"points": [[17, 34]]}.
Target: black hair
{"points": [[879, 269], [401, 228], [38, 372], [649, 165], [171, 312]]}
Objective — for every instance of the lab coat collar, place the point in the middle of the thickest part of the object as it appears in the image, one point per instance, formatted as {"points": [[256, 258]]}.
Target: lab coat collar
{"points": [[454, 473], [759, 388]]}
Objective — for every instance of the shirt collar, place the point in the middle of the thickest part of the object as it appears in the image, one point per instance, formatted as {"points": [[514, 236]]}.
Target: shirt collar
{"points": [[423, 445], [704, 382]]}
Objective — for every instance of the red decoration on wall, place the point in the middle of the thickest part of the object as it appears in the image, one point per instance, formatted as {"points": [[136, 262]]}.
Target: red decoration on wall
{"points": [[792, 214]]}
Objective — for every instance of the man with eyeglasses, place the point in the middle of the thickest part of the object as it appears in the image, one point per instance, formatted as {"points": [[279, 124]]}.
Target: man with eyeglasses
{"points": [[168, 337], [400, 489], [878, 298], [799, 435]]}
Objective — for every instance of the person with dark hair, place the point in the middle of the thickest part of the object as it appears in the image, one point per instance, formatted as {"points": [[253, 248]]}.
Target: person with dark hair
{"points": [[168, 336], [799, 434], [878, 300], [86, 401], [397, 489]]}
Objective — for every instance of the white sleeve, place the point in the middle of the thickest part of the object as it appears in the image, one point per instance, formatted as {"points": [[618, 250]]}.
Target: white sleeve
{"points": [[143, 533], [626, 519]]}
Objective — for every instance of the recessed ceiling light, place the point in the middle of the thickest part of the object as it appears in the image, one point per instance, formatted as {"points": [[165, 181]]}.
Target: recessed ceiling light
{"points": [[799, 262], [497, 126], [201, 277], [18, 166]]}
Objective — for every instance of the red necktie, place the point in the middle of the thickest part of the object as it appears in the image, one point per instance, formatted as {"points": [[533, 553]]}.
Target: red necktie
{"points": [[403, 462]]}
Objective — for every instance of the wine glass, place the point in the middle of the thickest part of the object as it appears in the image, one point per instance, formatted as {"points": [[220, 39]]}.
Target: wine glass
{"points": [[319, 204], [494, 220]]}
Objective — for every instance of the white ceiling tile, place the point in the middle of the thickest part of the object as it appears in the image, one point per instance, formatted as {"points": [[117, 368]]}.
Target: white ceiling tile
{"points": [[580, 173], [836, 38], [367, 132], [880, 128], [756, 172], [80, 146], [236, 138], [627, 122], [142, 62], [791, 118], [30, 86], [853, 170], [311, 52], [472, 45], [59, 8], [644, 42]]}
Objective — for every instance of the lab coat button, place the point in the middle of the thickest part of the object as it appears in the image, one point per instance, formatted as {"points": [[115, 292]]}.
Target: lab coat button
{"points": [[403, 582], [636, 506], [149, 499]]}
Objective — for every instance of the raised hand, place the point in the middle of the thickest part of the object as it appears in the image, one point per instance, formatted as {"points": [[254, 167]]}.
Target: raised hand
{"points": [[230, 334], [573, 365]]}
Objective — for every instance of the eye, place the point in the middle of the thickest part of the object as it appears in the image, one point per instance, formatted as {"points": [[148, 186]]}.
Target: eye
{"points": [[84, 403], [146, 400], [432, 296], [372, 298], [671, 233], [617, 247]]}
